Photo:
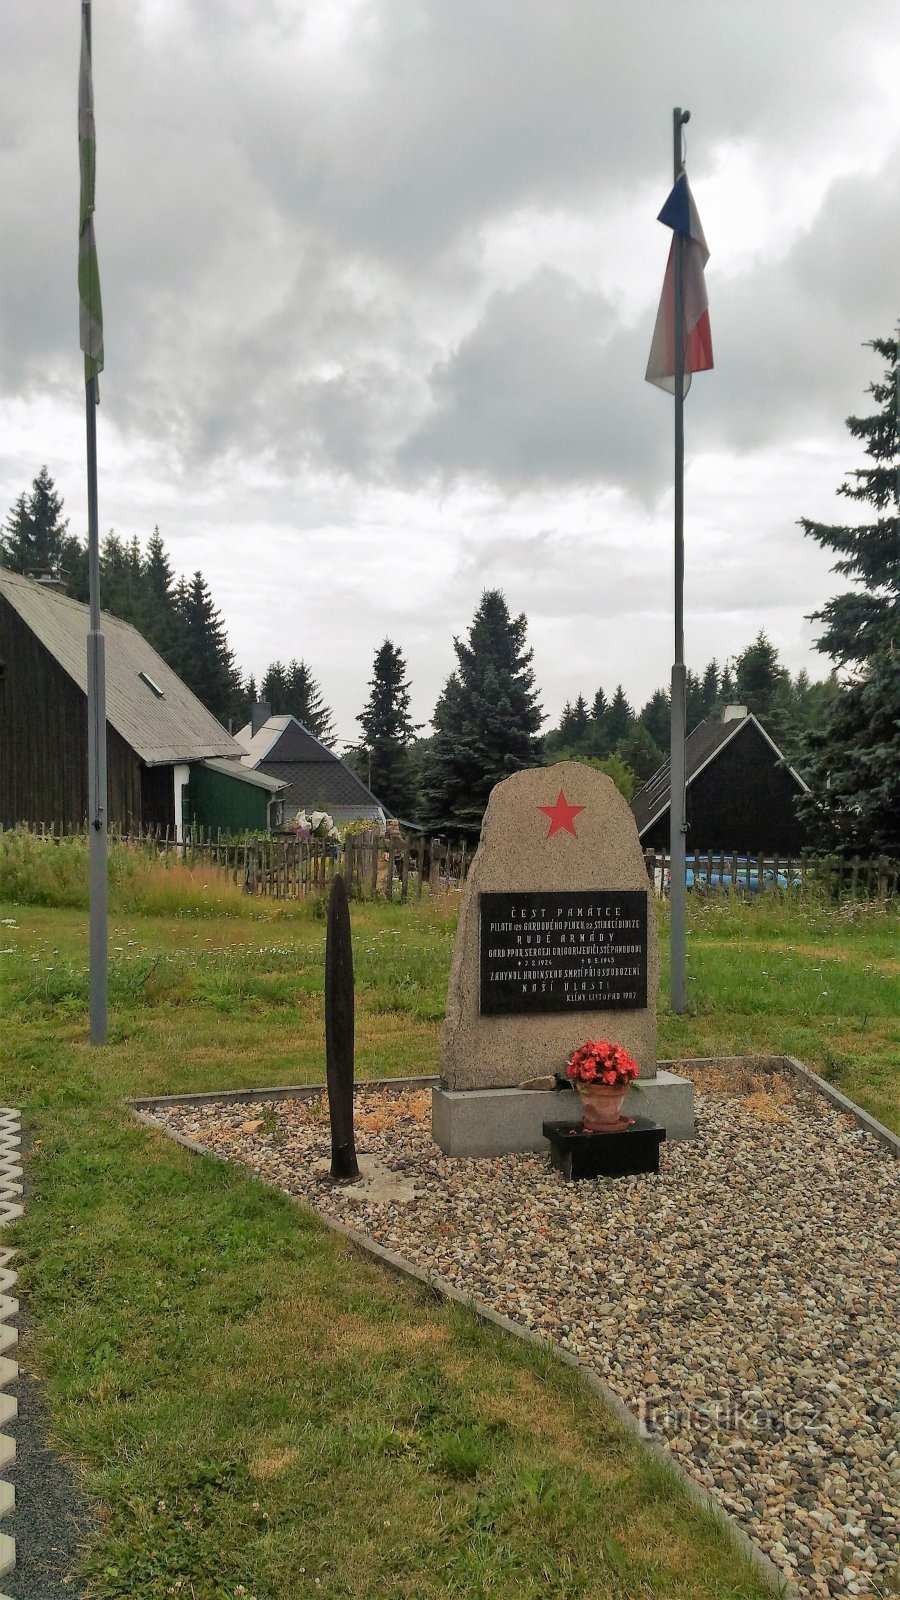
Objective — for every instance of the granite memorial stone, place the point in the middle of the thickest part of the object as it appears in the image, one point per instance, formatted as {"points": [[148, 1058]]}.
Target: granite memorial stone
{"points": [[557, 933], [556, 944]]}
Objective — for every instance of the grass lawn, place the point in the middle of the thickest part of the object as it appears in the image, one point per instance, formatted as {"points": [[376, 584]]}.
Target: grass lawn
{"points": [[255, 1409]]}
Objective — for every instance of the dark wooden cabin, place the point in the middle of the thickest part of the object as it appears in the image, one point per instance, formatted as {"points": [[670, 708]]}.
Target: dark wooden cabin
{"points": [[740, 792], [156, 728]]}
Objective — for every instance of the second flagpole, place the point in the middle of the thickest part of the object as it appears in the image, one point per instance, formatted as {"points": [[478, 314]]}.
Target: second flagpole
{"points": [[677, 849]]}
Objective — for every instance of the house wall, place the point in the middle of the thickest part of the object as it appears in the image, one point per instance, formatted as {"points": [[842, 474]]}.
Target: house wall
{"points": [[743, 801], [216, 801], [158, 798], [43, 740]]}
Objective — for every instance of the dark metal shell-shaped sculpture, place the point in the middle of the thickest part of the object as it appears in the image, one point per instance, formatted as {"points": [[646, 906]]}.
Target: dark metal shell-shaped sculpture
{"points": [[339, 1033]]}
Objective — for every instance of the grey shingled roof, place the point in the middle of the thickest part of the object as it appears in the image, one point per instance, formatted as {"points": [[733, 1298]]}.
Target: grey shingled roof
{"points": [[316, 777], [700, 746], [175, 728], [321, 784]]}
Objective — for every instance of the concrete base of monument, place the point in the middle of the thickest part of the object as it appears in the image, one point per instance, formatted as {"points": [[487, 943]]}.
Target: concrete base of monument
{"points": [[497, 1122]]}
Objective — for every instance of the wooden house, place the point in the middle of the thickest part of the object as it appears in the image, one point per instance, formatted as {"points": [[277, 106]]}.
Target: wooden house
{"points": [[315, 779], [740, 792], [169, 762]]}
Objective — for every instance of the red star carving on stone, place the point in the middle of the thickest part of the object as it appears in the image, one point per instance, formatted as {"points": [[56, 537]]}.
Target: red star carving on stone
{"points": [[562, 816]]}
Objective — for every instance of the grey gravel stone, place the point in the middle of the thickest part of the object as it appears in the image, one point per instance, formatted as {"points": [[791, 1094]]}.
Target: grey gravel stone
{"points": [[744, 1302]]}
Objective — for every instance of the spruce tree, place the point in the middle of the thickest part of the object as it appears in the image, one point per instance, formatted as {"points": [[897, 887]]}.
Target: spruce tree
{"points": [[293, 691], [597, 743], [853, 762], [274, 688], [656, 717], [208, 664], [620, 718], [161, 622], [556, 739], [694, 703], [581, 720], [305, 702], [486, 721], [121, 580], [388, 731], [709, 690], [759, 677], [35, 538]]}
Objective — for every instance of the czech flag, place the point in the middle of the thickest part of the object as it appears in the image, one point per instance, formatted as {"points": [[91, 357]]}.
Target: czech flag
{"points": [[680, 214]]}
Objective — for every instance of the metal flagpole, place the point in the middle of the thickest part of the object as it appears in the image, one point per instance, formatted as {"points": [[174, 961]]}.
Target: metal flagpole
{"points": [[97, 797], [897, 405], [677, 888], [92, 345]]}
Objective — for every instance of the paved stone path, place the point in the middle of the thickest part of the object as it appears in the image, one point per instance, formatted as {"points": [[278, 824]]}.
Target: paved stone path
{"points": [[10, 1209], [39, 1501]]}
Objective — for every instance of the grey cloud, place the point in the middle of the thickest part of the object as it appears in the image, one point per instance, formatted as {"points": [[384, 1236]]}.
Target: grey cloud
{"points": [[547, 387], [543, 390], [281, 237], [790, 336]]}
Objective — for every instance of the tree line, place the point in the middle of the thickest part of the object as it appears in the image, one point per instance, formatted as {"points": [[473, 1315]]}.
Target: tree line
{"points": [[842, 734]]}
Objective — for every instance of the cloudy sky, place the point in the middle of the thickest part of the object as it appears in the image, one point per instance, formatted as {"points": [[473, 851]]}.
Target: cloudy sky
{"points": [[379, 281]]}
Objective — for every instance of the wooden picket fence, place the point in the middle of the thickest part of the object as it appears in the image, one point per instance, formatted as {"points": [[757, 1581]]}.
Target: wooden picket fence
{"points": [[835, 877], [373, 867], [286, 867]]}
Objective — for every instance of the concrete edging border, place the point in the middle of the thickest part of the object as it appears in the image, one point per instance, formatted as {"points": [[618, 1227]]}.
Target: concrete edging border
{"points": [[293, 1091], [308, 1091]]}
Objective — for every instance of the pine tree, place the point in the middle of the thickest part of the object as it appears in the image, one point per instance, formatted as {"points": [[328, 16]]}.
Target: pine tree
{"points": [[388, 731], [35, 538], [726, 687], [853, 762], [486, 721]]}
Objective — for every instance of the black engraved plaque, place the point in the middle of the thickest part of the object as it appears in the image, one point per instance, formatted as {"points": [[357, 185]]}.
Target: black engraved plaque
{"points": [[546, 951]]}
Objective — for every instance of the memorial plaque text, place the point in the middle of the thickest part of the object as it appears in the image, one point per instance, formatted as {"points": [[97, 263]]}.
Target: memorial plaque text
{"points": [[546, 951]]}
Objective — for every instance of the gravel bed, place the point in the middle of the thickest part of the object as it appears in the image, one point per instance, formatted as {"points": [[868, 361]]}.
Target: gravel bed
{"points": [[744, 1302]]}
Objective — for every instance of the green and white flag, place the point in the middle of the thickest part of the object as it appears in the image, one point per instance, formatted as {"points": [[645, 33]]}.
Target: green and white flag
{"points": [[88, 271]]}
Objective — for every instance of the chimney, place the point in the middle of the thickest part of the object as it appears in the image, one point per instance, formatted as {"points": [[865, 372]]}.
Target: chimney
{"points": [[259, 716], [53, 580], [734, 713]]}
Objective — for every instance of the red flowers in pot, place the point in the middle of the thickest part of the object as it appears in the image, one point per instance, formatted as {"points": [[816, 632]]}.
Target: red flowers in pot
{"points": [[601, 1072]]}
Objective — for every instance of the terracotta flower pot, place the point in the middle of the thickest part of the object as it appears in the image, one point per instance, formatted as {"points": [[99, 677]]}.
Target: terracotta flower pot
{"points": [[602, 1105]]}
